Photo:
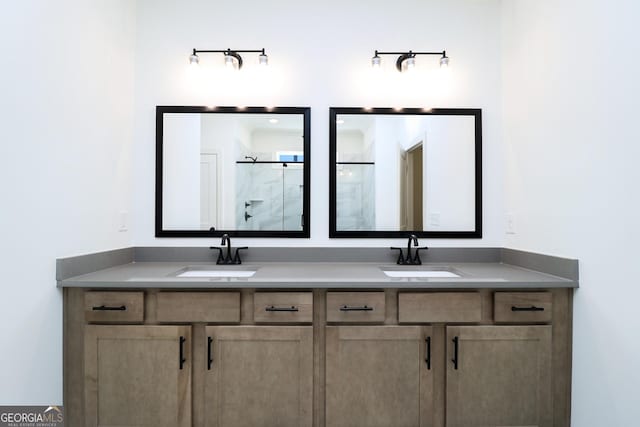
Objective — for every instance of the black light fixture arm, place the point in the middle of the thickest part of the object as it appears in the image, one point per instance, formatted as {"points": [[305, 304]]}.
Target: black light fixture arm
{"points": [[196, 51], [235, 53], [403, 56], [412, 53]]}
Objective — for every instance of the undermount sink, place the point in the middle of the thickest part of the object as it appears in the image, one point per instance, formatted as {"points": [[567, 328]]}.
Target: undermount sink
{"points": [[420, 272], [206, 271]]}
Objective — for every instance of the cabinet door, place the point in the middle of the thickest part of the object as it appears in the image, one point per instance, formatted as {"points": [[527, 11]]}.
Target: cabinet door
{"points": [[259, 376], [378, 376], [499, 376], [138, 376]]}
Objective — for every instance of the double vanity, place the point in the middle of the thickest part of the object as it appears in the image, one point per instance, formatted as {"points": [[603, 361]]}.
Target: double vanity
{"points": [[317, 337], [303, 336]]}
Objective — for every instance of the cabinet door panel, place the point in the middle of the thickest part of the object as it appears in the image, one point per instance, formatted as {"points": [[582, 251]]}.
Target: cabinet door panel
{"points": [[377, 376], [259, 376], [503, 376], [133, 376]]}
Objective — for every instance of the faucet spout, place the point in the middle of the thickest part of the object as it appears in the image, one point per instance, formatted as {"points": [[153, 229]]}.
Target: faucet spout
{"points": [[412, 239], [226, 240]]}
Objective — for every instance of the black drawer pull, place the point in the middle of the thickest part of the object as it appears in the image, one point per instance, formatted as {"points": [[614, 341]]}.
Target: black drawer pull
{"points": [[209, 355], [272, 308], [455, 353], [107, 308], [427, 357], [182, 359], [532, 308], [350, 308]]}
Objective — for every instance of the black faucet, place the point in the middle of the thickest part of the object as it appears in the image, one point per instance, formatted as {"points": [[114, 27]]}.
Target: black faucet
{"points": [[410, 259], [228, 259]]}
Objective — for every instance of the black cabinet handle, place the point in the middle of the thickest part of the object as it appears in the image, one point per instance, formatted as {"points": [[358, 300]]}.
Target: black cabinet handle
{"points": [[108, 308], [427, 357], [272, 308], [209, 355], [352, 308], [532, 308], [455, 353], [182, 359]]}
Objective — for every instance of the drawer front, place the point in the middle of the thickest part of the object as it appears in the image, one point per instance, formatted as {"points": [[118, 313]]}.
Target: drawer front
{"points": [[439, 307], [283, 307], [355, 307], [522, 307], [206, 307], [114, 307]]}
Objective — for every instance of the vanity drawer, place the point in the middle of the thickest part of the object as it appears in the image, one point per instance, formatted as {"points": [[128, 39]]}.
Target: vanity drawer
{"points": [[206, 307], [114, 307], [283, 307], [355, 307], [522, 307], [439, 307]]}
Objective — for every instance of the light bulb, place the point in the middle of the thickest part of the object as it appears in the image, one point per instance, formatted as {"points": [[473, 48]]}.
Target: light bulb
{"points": [[444, 62], [411, 63], [194, 60], [376, 61], [263, 60], [228, 61]]}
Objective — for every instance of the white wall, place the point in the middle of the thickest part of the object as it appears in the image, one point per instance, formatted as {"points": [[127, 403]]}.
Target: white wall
{"points": [[65, 169], [571, 100], [319, 57]]}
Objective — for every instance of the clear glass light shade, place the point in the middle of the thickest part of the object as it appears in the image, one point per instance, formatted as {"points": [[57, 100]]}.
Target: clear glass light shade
{"points": [[410, 63], [263, 60], [229, 61], [444, 62], [376, 61], [194, 59]]}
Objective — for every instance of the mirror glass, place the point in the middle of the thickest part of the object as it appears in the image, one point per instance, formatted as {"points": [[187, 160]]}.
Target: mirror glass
{"points": [[410, 170], [241, 171]]}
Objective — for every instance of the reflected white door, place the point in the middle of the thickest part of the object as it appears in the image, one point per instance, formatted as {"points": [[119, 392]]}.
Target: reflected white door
{"points": [[208, 191]]}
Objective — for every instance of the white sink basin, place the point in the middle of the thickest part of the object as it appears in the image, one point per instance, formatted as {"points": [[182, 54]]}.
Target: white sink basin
{"points": [[419, 273], [201, 272]]}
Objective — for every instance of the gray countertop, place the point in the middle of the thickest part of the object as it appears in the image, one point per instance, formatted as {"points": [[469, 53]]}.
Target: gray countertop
{"points": [[318, 275]]}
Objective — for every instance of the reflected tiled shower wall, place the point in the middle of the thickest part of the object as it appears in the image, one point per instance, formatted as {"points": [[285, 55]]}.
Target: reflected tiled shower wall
{"points": [[355, 197], [269, 196]]}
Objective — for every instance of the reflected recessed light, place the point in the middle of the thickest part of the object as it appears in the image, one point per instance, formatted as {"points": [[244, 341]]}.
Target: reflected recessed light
{"points": [[273, 121], [339, 121]]}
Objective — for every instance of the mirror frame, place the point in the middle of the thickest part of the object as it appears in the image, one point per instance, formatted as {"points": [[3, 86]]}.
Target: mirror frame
{"points": [[306, 114], [475, 112]]}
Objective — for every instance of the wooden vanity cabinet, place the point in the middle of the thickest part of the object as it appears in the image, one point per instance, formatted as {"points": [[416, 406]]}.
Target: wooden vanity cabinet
{"points": [[498, 376], [379, 376], [137, 376], [374, 358], [259, 376]]}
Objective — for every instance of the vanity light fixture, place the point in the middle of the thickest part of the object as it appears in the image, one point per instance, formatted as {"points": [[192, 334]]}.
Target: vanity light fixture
{"points": [[406, 61], [232, 58]]}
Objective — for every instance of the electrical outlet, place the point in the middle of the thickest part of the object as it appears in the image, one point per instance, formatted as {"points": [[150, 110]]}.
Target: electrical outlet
{"points": [[123, 221], [511, 224]]}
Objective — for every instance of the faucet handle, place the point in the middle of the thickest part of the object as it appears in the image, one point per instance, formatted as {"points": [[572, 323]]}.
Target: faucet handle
{"points": [[236, 258], [401, 259], [220, 259], [416, 259]]}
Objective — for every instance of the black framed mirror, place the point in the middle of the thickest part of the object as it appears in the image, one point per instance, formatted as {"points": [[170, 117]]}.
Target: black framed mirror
{"points": [[408, 170], [242, 171]]}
